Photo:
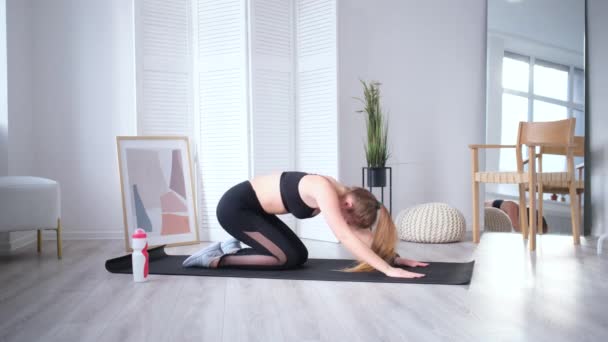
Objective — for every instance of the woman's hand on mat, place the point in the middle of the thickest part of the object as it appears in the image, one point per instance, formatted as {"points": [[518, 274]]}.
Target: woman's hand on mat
{"points": [[410, 263], [396, 272]]}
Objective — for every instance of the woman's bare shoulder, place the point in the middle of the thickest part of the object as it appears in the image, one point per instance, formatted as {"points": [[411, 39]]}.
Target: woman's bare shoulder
{"points": [[318, 181], [338, 187]]}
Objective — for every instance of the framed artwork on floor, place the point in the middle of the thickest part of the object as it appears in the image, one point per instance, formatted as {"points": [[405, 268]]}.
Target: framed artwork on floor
{"points": [[157, 188]]}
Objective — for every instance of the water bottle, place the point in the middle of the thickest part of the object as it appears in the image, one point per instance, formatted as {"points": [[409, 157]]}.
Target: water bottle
{"points": [[139, 258]]}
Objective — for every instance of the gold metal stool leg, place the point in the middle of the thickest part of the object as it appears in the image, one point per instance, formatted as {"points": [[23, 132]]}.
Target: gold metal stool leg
{"points": [[39, 241], [58, 238]]}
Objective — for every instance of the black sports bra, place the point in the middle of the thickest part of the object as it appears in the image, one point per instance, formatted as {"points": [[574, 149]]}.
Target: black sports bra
{"points": [[292, 201]]}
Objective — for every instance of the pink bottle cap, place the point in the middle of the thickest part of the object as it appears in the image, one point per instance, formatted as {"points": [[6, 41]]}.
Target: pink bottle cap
{"points": [[139, 234]]}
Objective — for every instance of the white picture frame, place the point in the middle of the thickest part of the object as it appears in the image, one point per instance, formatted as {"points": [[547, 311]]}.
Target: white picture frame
{"points": [[157, 187]]}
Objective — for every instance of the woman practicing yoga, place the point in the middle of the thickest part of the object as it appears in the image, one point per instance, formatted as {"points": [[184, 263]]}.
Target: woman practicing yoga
{"points": [[248, 210]]}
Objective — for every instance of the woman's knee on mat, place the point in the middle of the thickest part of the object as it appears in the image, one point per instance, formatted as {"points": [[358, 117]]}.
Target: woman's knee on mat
{"points": [[296, 256]]}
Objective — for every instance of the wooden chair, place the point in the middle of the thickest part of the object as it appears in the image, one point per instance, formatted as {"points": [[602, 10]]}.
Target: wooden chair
{"points": [[559, 182], [533, 135]]}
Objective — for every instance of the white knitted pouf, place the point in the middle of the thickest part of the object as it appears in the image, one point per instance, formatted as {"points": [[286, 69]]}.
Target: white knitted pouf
{"points": [[431, 223], [496, 220]]}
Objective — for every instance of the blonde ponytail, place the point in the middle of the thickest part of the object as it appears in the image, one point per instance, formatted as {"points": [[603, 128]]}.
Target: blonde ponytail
{"points": [[383, 243]]}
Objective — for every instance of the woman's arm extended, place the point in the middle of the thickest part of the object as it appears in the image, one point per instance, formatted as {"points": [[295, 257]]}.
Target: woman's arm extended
{"points": [[366, 236], [328, 202], [409, 262]]}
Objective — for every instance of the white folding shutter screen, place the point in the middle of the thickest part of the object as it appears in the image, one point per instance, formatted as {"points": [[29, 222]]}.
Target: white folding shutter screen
{"points": [[316, 98], [272, 97], [222, 105], [163, 47]]}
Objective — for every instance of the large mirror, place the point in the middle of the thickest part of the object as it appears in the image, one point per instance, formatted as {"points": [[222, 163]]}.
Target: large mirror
{"points": [[535, 72]]}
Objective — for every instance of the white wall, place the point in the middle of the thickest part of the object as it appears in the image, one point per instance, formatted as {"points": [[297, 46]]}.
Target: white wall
{"points": [[20, 47], [81, 94], [85, 97], [4, 237], [3, 92], [598, 112], [430, 58], [20, 143]]}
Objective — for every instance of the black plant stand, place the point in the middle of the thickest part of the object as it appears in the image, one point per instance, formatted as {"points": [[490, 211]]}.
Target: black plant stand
{"points": [[390, 186]]}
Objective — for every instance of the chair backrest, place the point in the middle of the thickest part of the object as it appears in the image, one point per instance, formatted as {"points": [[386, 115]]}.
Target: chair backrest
{"points": [[558, 134], [579, 149], [552, 132]]}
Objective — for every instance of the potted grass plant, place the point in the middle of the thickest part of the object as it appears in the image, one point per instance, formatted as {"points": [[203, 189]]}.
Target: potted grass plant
{"points": [[376, 148]]}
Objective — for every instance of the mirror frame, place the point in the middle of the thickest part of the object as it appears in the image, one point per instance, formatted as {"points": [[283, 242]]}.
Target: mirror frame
{"points": [[587, 194], [587, 214]]}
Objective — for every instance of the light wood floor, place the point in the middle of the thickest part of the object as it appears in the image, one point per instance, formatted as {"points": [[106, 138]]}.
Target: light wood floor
{"points": [[560, 293]]}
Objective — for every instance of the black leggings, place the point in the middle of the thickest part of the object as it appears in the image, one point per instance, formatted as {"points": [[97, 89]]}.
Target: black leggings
{"points": [[273, 244]]}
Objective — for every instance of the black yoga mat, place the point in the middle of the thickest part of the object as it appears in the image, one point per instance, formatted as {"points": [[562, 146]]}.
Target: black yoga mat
{"points": [[448, 273]]}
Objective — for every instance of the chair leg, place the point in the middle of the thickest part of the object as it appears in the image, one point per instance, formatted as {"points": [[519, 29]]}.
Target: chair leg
{"points": [[574, 216], [532, 222], [539, 216], [476, 212], [580, 209], [523, 217], [59, 254], [532, 193], [475, 183], [39, 240]]}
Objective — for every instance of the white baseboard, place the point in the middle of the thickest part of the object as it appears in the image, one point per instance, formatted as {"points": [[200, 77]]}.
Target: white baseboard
{"points": [[11, 243], [84, 235], [5, 246], [24, 240], [8, 245], [204, 235]]}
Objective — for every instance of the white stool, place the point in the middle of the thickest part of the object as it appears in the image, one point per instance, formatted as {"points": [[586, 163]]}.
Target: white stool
{"points": [[28, 203]]}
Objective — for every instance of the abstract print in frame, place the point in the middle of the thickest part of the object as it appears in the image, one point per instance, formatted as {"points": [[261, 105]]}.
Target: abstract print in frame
{"points": [[157, 189]]}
